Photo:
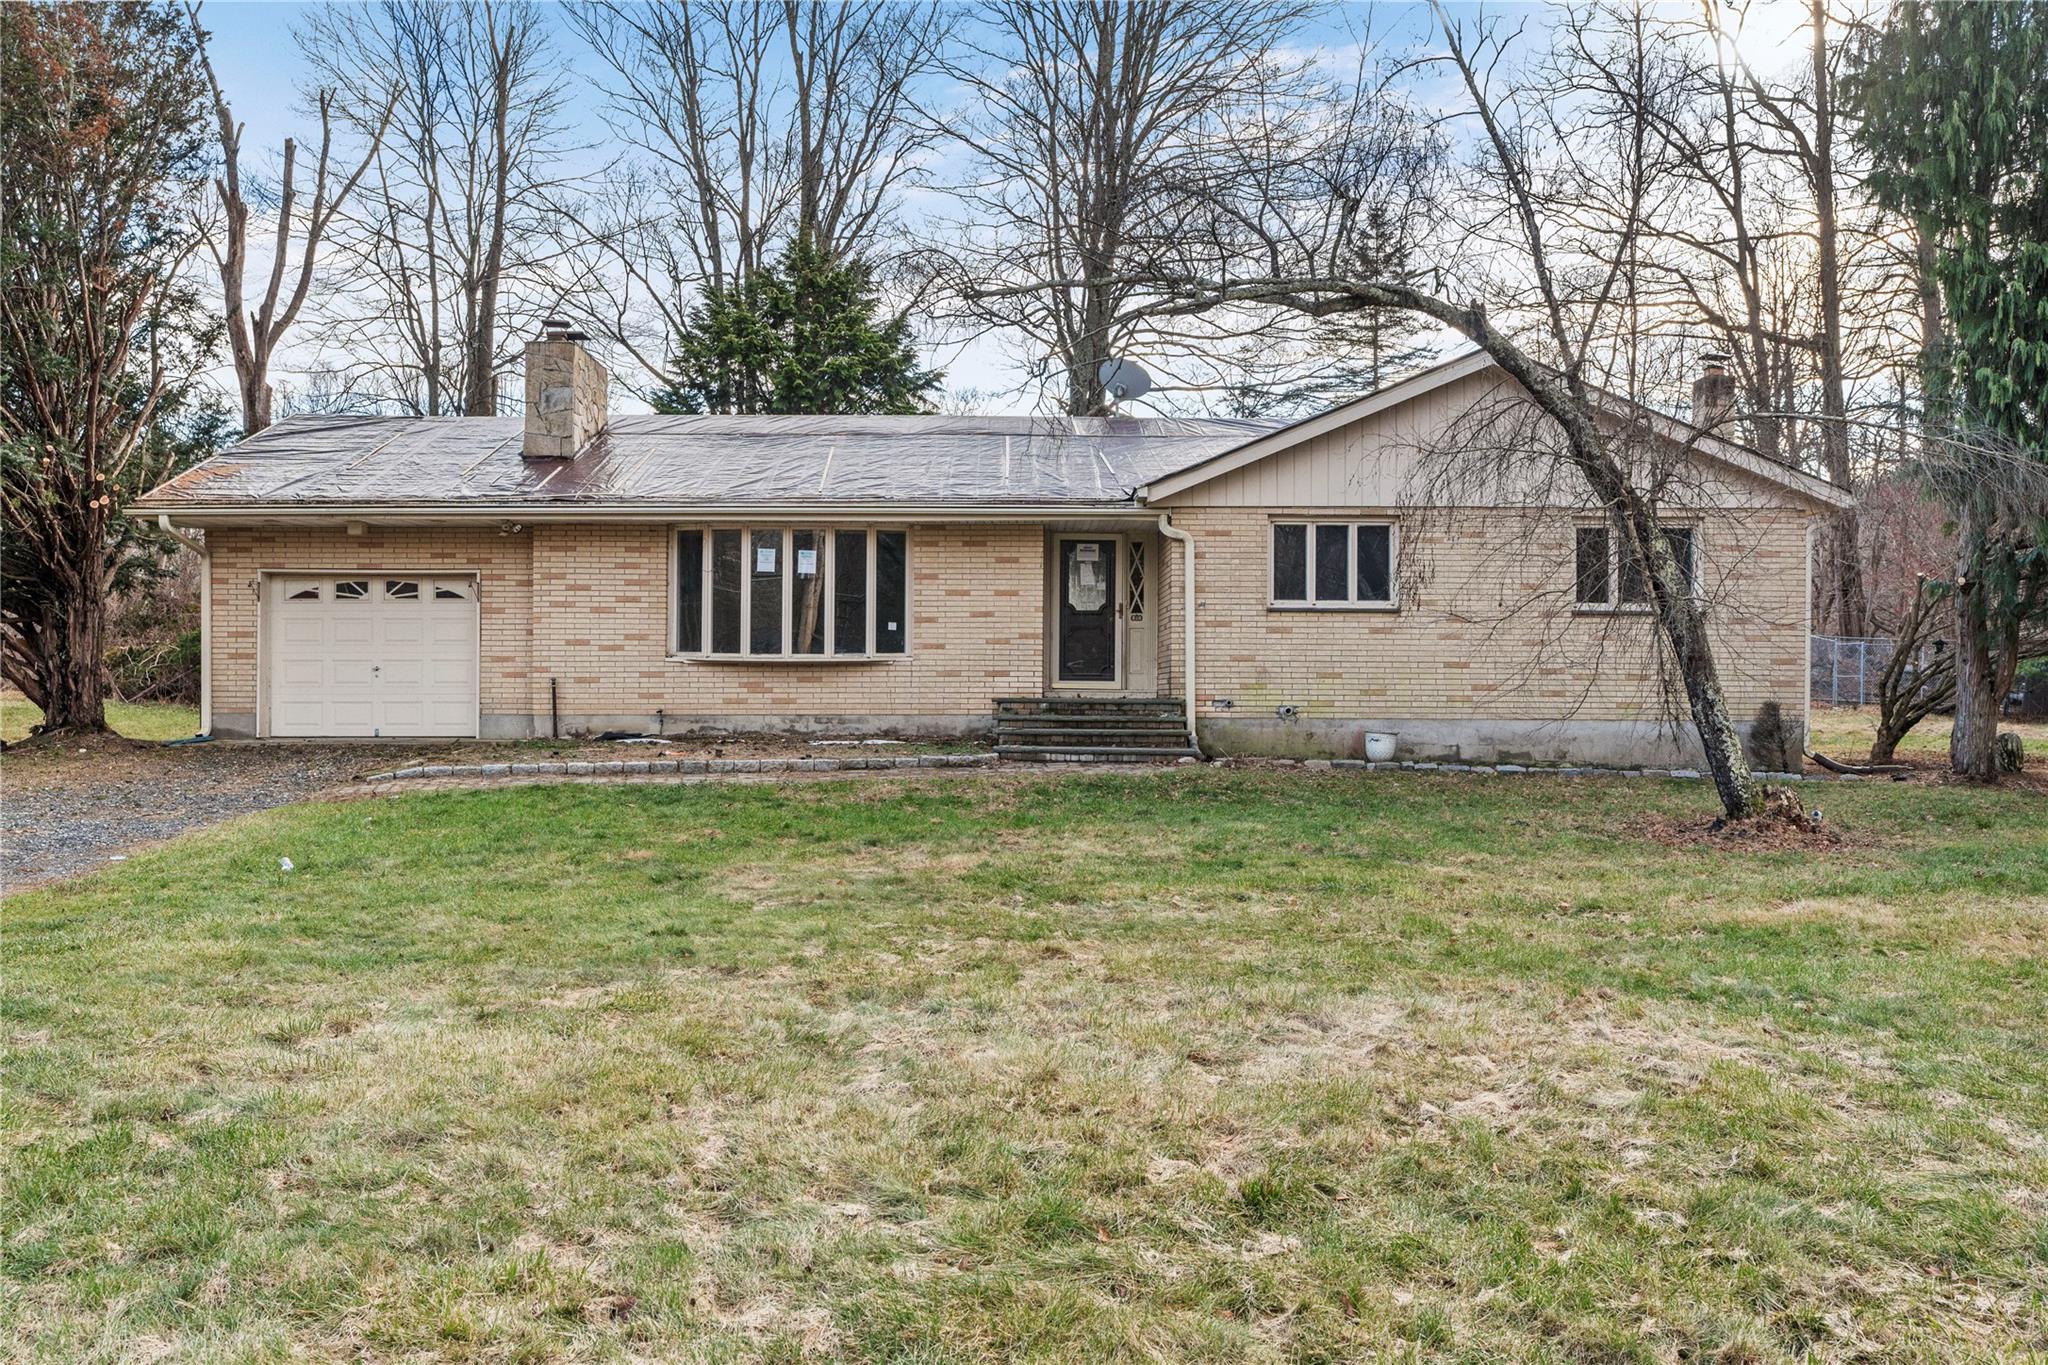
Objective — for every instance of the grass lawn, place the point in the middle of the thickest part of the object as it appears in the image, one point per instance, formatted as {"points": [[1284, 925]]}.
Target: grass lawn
{"points": [[1197, 1065], [136, 720], [1845, 732]]}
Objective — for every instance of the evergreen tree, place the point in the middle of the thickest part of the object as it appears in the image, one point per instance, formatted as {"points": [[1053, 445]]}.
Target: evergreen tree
{"points": [[804, 335], [102, 133], [1954, 103]]}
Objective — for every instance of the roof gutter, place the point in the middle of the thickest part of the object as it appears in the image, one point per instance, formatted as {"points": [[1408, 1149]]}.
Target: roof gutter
{"points": [[1187, 622]]}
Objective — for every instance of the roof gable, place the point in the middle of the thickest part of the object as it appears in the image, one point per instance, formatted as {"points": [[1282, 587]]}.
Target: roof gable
{"points": [[1779, 478]]}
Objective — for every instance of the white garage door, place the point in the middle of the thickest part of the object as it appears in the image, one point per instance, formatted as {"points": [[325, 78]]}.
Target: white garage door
{"points": [[383, 654]]}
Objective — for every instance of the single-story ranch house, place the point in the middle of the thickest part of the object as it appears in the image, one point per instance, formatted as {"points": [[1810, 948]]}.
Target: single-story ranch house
{"points": [[1095, 581]]}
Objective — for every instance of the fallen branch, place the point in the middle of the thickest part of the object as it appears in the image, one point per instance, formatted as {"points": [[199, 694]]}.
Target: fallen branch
{"points": [[1859, 769]]}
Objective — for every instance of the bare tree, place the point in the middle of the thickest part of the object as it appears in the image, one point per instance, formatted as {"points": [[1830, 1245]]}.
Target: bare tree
{"points": [[1548, 247], [1096, 128], [1806, 119], [732, 153], [254, 333], [450, 240], [1780, 254]]}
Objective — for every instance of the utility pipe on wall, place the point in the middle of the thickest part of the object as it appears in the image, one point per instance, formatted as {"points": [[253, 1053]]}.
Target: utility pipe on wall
{"points": [[1187, 621], [198, 547]]}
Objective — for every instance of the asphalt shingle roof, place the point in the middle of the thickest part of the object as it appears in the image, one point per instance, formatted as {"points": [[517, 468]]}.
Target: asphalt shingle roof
{"points": [[655, 460]]}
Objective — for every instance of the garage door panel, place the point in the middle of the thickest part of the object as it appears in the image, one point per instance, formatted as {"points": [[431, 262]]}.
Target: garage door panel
{"points": [[298, 718], [405, 716], [404, 631], [343, 662], [351, 717], [300, 673], [446, 716], [353, 674]]}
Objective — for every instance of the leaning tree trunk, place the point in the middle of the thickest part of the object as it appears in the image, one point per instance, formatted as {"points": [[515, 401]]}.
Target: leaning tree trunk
{"points": [[1685, 627]]}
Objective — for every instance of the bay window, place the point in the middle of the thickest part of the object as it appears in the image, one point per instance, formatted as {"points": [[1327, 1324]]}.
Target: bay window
{"points": [[793, 592], [1333, 564]]}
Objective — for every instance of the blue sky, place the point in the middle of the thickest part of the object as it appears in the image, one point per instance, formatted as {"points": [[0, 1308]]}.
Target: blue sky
{"points": [[259, 64]]}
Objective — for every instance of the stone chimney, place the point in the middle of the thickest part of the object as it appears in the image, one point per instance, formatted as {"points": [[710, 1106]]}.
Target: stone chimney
{"points": [[1713, 393], [565, 394]]}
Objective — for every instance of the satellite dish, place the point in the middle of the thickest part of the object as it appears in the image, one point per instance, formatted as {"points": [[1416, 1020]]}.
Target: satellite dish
{"points": [[1124, 379]]}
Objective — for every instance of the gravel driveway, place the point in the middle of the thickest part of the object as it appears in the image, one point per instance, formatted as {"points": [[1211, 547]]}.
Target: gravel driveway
{"points": [[65, 810]]}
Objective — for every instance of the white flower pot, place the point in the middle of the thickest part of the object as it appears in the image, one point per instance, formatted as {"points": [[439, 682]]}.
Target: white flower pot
{"points": [[1379, 748]]}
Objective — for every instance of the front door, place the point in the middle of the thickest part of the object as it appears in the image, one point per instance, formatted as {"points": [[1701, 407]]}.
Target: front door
{"points": [[1088, 611]]}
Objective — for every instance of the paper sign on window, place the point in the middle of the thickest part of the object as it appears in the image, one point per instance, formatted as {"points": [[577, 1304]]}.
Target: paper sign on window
{"points": [[1087, 554], [764, 559], [806, 563], [1087, 584]]}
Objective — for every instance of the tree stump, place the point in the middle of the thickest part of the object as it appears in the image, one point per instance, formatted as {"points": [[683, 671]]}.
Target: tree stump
{"points": [[2012, 754]]}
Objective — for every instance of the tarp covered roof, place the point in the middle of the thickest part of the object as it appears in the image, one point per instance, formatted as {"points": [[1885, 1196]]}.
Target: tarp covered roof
{"points": [[654, 460]]}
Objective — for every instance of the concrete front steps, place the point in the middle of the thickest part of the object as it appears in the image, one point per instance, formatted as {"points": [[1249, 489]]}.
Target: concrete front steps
{"points": [[1080, 729]]}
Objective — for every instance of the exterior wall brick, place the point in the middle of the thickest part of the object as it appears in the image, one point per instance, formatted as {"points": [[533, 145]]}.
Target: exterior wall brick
{"points": [[588, 605], [1486, 626], [602, 629]]}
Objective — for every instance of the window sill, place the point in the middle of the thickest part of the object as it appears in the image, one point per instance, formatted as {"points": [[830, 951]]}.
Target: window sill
{"points": [[787, 658], [1383, 608], [1624, 609]]}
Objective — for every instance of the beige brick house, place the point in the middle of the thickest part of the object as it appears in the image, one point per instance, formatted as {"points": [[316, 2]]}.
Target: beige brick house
{"points": [[1274, 589]]}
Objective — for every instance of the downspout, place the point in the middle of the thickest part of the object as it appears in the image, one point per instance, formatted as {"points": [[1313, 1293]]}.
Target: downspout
{"points": [[1187, 621], [199, 547]]}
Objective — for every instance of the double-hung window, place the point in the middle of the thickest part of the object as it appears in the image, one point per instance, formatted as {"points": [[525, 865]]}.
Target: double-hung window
{"points": [[1607, 573], [791, 592], [1333, 564]]}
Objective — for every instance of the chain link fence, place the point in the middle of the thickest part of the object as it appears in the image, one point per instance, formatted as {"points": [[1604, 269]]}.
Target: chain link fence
{"points": [[1845, 669]]}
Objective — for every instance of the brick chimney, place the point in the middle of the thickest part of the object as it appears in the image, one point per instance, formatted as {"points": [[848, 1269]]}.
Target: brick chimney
{"points": [[1713, 393], [565, 394]]}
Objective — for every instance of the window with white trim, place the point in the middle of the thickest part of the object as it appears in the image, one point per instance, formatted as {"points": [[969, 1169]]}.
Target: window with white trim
{"points": [[793, 592], [1333, 564], [1607, 573]]}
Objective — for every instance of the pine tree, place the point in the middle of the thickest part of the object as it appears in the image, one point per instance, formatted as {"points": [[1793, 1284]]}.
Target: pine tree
{"points": [[1954, 102], [804, 335]]}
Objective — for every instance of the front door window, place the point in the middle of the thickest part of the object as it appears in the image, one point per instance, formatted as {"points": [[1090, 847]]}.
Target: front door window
{"points": [[1087, 611]]}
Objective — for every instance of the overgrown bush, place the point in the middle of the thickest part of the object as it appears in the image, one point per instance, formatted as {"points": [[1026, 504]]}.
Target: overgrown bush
{"points": [[153, 634]]}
